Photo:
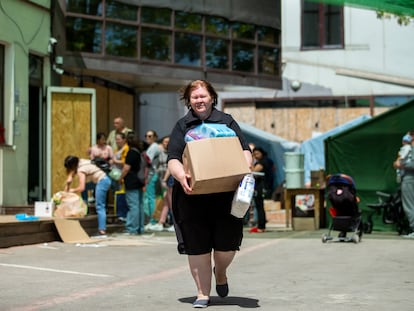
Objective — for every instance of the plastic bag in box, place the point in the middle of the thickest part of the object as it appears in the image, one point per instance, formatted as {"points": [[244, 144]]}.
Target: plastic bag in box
{"points": [[209, 130]]}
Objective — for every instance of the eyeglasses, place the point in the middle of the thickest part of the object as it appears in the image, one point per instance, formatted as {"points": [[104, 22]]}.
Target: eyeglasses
{"points": [[148, 136]]}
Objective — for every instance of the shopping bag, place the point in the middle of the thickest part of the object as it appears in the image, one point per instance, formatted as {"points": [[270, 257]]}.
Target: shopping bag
{"points": [[159, 204], [68, 204], [120, 204]]}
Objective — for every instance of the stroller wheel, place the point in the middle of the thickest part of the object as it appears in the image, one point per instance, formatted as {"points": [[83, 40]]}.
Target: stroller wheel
{"points": [[355, 238]]}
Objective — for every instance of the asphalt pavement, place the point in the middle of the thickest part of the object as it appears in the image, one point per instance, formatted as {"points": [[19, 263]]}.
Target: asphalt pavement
{"points": [[276, 270]]}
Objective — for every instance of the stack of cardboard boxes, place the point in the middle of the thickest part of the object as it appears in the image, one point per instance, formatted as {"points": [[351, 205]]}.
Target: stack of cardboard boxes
{"points": [[275, 215]]}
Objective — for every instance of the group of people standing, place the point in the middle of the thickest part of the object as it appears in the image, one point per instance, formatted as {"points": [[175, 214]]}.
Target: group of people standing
{"points": [[122, 151]]}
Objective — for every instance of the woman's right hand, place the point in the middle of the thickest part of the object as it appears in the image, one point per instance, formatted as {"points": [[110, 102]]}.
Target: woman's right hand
{"points": [[185, 183], [176, 169]]}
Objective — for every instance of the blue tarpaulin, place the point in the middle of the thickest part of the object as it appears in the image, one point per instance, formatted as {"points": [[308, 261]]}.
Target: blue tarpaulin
{"points": [[313, 149], [275, 147]]}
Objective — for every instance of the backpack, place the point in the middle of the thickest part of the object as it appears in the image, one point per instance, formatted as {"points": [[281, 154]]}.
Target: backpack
{"points": [[144, 167], [102, 164]]}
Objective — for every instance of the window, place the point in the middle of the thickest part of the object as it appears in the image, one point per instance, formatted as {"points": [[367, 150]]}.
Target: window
{"points": [[121, 40], [156, 44], [188, 21], [268, 60], [243, 57], [187, 49], [83, 35], [217, 26], [267, 35], [217, 53], [156, 16], [113, 28], [322, 26], [268, 54], [122, 11], [243, 31], [91, 7]]}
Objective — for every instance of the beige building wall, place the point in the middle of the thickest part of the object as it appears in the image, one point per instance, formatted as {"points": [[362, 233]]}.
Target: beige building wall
{"points": [[295, 124]]}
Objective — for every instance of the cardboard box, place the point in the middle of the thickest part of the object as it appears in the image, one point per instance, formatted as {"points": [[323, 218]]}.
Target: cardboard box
{"points": [[270, 205], [274, 214], [303, 223], [215, 164], [43, 209]]}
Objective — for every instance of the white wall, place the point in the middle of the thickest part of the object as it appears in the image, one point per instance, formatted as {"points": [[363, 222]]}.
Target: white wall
{"points": [[380, 49]]}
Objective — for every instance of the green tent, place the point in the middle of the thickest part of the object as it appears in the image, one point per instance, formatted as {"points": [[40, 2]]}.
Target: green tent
{"points": [[366, 152]]}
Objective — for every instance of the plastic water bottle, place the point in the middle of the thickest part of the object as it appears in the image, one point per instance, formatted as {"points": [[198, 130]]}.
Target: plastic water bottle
{"points": [[243, 196], [246, 189]]}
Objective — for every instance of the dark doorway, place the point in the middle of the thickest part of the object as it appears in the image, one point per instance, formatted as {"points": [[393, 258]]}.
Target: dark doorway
{"points": [[35, 182]]}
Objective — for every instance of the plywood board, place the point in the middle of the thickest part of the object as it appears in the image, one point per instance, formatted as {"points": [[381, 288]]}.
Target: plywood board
{"points": [[71, 130]]}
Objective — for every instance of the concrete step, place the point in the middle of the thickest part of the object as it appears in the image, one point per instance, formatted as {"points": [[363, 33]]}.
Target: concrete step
{"points": [[15, 233]]}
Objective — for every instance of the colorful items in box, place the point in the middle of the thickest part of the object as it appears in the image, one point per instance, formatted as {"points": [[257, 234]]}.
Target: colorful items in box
{"points": [[209, 130]]}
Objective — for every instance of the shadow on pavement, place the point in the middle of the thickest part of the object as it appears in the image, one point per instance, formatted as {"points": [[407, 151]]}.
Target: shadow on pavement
{"points": [[242, 302]]}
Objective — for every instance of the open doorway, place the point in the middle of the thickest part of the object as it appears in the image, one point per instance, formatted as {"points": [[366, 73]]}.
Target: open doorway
{"points": [[35, 181]]}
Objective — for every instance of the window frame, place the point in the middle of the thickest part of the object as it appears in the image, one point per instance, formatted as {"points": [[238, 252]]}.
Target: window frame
{"points": [[322, 29], [141, 26]]}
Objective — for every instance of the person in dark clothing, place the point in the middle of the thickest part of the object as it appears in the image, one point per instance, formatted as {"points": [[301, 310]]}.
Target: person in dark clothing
{"points": [[261, 166], [205, 228], [133, 188]]}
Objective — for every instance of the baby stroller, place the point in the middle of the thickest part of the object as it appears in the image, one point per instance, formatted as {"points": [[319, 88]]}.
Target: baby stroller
{"points": [[346, 215], [390, 207]]}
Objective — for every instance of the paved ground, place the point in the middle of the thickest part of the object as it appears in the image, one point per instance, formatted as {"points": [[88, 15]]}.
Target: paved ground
{"points": [[273, 271]]}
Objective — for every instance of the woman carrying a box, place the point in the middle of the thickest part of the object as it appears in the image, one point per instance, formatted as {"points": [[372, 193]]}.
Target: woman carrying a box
{"points": [[205, 228]]}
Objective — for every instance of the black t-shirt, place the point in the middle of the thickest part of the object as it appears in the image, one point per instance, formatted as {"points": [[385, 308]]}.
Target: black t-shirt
{"points": [[261, 180], [177, 143], [133, 158]]}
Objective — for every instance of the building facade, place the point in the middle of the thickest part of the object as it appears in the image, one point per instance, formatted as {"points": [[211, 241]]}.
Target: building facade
{"points": [[135, 54], [25, 46], [289, 67], [338, 63]]}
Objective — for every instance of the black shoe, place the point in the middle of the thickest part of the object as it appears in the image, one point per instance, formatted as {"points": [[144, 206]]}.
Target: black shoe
{"points": [[222, 289]]}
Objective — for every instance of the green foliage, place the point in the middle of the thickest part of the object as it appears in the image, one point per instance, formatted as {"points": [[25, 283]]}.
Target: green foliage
{"points": [[402, 20]]}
